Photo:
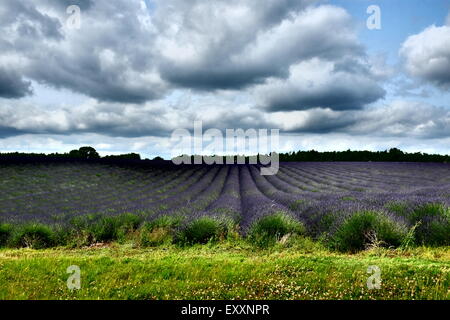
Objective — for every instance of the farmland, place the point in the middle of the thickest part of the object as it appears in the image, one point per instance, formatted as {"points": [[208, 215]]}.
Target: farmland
{"points": [[341, 215], [320, 195]]}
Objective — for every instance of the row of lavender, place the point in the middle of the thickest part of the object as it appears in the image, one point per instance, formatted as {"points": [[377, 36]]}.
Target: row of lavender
{"points": [[310, 192]]}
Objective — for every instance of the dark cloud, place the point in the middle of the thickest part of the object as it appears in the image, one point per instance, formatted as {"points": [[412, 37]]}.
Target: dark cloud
{"points": [[109, 58], [127, 53], [25, 22], [6, 132], [12, 85], [214, 77], [322, 121], [322, 84], [339, 96], [215, 53], [86, 75]]}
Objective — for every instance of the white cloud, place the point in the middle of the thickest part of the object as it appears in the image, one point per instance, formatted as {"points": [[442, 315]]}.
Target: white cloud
{"points": [[405, 119], [319, 83], [398, 119], [427, 55], [155, 118]]}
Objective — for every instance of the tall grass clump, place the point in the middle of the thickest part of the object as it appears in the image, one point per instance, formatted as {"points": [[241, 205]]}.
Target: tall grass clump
{"points": [[127, 224], [433, 222], [202, 230], [33, 235], [159, 231], [104, 229], [272, 228], [100, 228], [368, 229], [5, 234], [110, 228]]}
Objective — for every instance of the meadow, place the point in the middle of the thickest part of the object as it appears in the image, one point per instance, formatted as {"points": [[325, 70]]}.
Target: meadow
{"points": [[225, 231], [227, 270]]}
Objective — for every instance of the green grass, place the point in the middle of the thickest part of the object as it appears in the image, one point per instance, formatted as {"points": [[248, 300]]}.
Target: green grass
{"points": [[365, 229], [272, 228], [202, 230], [226, 270]]}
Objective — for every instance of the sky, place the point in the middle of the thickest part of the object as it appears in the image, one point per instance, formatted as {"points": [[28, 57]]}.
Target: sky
{"points": [[122, 75]]}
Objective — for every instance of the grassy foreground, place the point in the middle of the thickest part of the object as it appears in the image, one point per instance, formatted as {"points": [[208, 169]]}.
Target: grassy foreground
{"points": [[224, 271]]}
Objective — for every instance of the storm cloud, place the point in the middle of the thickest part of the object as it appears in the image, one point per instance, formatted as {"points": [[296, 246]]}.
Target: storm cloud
{"points": [[129, 53], [231, 46], [109, 58], [12, 85]]}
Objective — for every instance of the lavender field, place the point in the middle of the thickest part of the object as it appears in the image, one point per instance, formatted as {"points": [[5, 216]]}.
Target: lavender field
{"points": [[319, 195]]}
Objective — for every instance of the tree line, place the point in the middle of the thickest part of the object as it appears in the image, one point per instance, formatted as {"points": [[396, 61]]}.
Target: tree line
{"points": [[394, 155], [391, 155], [83, 153]]}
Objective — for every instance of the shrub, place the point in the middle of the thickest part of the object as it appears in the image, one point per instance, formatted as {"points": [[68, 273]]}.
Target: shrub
{"points": [[34, 236], [77, 232], [5, 233], [152, 237], [100, 228], [433, 224], [62, 235], [169, 222], [325, 224], [130, 221], [202, 230], [159, 231], [365, 229], [270, 229], [126, 225], [104, 229]]}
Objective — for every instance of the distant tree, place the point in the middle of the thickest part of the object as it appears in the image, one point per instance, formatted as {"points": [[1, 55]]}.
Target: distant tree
{"points": [[74, 154], [395, 154], [158, 158], [84, 153]]}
